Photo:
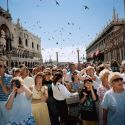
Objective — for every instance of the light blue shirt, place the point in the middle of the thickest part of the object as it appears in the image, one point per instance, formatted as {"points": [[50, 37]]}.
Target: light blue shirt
{"points": [[21, 109], [115, 104], [75, 86], [6, 81]]}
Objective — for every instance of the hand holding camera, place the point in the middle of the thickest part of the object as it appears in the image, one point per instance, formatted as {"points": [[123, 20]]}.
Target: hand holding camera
{"points": [[85, 94], [17, 83]]}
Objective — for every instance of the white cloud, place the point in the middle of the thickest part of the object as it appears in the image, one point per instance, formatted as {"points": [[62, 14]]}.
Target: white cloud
{"points": [[65, 54]]}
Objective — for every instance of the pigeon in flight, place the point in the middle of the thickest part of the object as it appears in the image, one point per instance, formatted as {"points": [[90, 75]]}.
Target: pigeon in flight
{"points": [[86, 7], [57, 3], [68, 23]]}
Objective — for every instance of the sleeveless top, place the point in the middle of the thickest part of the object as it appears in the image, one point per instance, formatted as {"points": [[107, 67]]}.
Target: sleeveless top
{"points": [[38, 94]]}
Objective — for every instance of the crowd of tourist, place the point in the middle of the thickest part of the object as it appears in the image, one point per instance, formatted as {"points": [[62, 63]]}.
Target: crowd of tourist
{"points": [[39, 96]]}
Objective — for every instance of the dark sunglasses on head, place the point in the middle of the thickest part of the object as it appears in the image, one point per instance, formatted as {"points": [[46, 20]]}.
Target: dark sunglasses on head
{"points": [[118, 79], [88, 80], [2, 66]]}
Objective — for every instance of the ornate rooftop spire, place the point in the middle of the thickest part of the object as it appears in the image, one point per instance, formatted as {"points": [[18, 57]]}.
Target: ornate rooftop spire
{"points": [[114, 14]]}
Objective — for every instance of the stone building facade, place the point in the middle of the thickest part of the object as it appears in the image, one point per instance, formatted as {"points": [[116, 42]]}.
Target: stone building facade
{"points": [[17, 45], [110, 43]]}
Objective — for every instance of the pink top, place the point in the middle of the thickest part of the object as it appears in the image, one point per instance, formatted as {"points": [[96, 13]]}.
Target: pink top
{"points": [[101, 92]]}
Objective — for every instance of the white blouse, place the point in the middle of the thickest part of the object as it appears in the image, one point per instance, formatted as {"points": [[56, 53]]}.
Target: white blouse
{"points": [[60, 92]]}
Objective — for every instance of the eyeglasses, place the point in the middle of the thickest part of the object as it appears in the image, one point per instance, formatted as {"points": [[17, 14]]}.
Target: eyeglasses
{"points": [[118, 79], [88, 81], [2, 66]]}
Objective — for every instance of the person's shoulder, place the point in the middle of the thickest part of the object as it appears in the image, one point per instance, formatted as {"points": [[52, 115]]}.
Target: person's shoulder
{"points": [[59, 84], [8, 75], [29, 78], [109, 92], [45, 87], [122, 74]]}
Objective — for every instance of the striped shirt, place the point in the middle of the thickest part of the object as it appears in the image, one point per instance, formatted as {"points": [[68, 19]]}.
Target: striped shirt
{"points": [[6, 81]]}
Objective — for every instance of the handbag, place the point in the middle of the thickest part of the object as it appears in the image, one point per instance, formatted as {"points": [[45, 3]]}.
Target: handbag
{"points": [[73, 99]]}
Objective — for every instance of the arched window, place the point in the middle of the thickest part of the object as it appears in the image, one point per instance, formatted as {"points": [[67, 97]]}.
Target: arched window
{"points": [[20, 41], [26, 42], [32, 45], [37, 47]]}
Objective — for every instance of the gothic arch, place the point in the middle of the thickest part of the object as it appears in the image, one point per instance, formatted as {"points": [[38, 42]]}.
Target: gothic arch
{"points": [[7, 37], [6, 30]]}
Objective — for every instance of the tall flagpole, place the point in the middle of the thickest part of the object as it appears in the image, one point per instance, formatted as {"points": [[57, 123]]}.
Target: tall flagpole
{"points": [[7, 6], [124, 8]]}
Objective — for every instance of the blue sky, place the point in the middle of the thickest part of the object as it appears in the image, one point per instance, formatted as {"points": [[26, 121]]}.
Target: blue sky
{"points": [[69, 24]]}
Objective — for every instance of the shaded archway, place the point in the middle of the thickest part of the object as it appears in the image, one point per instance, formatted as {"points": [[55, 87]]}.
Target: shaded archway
{"points": [[7, 45], [12, 64]]}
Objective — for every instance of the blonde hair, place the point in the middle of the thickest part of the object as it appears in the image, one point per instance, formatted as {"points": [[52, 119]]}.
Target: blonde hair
{"points": [[90, 67], [104, 73]]}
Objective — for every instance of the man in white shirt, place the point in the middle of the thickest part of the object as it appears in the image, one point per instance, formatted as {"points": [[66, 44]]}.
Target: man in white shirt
{"points": [[28, 81]]}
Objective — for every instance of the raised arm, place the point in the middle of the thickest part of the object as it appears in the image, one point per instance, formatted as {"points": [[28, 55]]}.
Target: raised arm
{"points": [[27, 91], [9, 103]]}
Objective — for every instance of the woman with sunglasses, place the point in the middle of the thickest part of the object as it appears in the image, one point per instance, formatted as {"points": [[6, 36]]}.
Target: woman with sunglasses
{"points": [[113, 103], [19, 104], [75, 85]]}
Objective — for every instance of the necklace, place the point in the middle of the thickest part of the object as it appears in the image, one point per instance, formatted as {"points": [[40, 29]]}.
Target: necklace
{"points": [[38, 89]]}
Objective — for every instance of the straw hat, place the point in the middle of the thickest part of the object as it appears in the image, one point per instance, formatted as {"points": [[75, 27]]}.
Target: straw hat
{"points": [[113, 76]]}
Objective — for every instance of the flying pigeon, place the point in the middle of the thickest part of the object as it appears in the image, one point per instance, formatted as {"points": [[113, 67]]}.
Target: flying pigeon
{"points": [[57, 3], [68, 23], [86, 7]]}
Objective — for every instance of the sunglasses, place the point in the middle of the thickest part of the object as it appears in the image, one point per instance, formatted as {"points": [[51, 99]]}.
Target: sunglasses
{"points": [[118, 79], [2, 66], [88, 81]]}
